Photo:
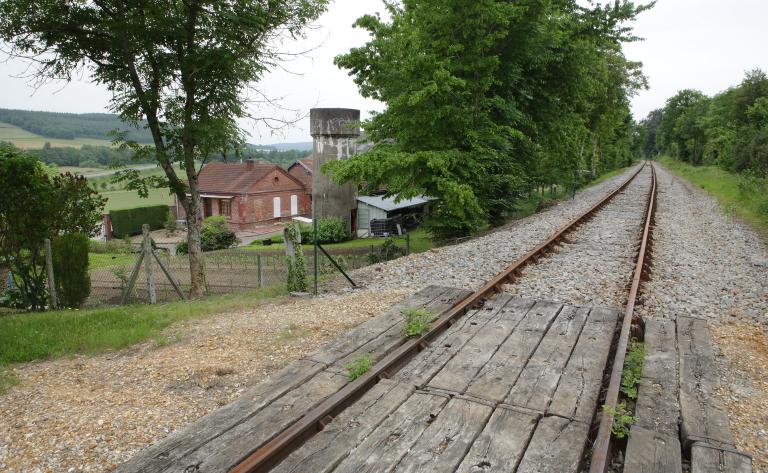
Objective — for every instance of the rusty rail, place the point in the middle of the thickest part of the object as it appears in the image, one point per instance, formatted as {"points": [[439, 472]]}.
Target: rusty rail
{"points": [[313, 421], [599, 459]]}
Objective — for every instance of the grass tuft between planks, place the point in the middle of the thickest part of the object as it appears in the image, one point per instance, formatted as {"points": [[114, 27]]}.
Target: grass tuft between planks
{"points": [[46, 335]]}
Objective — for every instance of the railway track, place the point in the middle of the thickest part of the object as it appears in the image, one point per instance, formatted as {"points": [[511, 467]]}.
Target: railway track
{"points": [[489, 364]]}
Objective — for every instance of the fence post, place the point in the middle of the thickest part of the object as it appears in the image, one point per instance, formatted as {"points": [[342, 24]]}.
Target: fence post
{"points": [[148, 264], [259, 272], [49, 267]]}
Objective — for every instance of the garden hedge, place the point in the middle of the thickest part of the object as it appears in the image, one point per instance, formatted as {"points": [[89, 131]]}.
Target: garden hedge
{"points": [[129, 221]]}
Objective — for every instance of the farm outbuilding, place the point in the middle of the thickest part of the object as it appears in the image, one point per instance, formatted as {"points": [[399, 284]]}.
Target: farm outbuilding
{"points": [[377, 214]]}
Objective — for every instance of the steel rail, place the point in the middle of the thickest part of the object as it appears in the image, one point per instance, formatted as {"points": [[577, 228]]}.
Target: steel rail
{"points": [[599, 458], [323, 413]]}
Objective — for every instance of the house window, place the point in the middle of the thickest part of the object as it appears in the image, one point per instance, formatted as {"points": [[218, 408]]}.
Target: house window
{"points": [[225, 207], [294, 205], [276, 207]]}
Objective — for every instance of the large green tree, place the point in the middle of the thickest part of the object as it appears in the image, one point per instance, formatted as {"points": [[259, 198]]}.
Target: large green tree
{"points": [[182, 67], [488, 98]]}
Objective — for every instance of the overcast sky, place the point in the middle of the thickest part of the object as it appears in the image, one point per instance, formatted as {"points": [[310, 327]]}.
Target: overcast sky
{"points": [[701, 44]]}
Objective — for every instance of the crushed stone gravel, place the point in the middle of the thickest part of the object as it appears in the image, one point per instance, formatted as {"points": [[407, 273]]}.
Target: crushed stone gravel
{"points": [[88, 414]]}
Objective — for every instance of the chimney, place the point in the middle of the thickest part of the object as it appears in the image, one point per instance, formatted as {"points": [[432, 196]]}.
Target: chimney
{"points": [[249, 164]]}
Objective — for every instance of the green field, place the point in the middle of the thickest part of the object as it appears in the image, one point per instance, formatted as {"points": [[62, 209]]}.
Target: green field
{"points": [[28, 140], [747, 198], [117, 200]]}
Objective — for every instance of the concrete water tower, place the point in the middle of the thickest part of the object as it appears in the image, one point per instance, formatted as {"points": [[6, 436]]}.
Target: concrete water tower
{"points": [[335, 132]]}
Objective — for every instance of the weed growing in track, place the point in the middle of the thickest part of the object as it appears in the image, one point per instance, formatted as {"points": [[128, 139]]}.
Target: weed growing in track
{"points": [[633, 369], [417, 322], [622, 420], [359, 367]]}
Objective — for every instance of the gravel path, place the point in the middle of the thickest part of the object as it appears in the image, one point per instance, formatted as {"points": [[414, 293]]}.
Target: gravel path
{"points": [[707, 265], [88, 414], [470, 264], [594, 265]]}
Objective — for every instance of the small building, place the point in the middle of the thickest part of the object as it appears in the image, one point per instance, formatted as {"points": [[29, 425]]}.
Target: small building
{"points": [[377, 215], [250, 194]]}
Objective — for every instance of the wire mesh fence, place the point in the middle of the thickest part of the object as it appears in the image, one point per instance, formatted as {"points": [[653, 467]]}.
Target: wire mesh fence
{"points": [[227, 271]]}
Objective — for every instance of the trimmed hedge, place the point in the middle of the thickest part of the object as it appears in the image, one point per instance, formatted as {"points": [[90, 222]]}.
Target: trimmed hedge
{"points": [[69, 253], [128, 222]]}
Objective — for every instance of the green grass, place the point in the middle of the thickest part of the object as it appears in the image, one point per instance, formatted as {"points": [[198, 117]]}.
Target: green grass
{"points": [[417, 322], [109, 260], [420, 241], [359, 367], [117, 200], [749, 202], [28, 140], [46, 335]]}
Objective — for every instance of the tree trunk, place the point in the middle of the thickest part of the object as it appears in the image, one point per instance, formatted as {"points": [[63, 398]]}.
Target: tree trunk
{"points": [[194, 210], [593, 169]]}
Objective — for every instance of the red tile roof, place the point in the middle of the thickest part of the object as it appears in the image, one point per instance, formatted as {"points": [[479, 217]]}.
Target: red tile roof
{"points": [[232, 178]]}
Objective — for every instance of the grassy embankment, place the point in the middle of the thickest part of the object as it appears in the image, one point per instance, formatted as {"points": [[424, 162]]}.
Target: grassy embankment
{"points": [[737, 195]]}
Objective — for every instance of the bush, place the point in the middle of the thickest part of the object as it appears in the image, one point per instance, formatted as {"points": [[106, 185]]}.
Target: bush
{"points": [[129, 221], [12, 298], [386, 252], [70, 269], [215, 235], [170, 224], [329, 230]]}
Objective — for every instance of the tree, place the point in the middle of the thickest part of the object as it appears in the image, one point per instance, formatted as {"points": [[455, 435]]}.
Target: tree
{"points": [[488, 98], [183, 66], [34, 207]]}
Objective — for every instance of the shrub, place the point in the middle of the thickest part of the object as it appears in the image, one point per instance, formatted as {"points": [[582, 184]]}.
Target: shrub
{"points": [[12, 298], [70, 269], [331, 230], [386, 252], [170, 224], [215, 235], [129, 221]]}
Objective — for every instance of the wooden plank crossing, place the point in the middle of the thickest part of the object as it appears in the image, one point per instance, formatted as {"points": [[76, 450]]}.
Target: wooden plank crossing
{"points": [[511, 386]]}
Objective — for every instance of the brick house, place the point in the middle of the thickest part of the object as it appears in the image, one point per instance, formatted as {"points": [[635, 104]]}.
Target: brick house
{"points": [[250, 194], [302, 170]]}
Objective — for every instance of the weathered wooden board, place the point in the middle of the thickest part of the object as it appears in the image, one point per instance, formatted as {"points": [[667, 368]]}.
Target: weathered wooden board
{"points": [[501, 444], [660, 362], [393, 439], [538, 380], [500, 372], [371, 329], [229, 448], [557, 445], [393, 337], [162, 454], [448, 438], [577, 394], [323, 452], [708, 459], [703, 418], [652, 452], [424, 366], [656, 408], [457, 374]]}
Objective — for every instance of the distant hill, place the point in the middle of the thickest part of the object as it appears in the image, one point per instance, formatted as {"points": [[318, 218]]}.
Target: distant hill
{"points": [[69, 126], [301, 146]]}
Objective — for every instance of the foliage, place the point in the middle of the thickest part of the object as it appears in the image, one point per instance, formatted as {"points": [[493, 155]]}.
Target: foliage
{"points": [[12, 298], [622, 420], [387, 251], [297, 267], [359, 367], [633, 369], [729, 129], [417, 322], [36, 336], [71, 125], [128, 222], [70, 269], [331, 230], [216, 235], [182, 70], [33, 207], [502, 96]]}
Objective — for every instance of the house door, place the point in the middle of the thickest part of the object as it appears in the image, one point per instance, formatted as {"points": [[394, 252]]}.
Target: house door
{"points": [[207, 208], [294, 205], [276, 207]]}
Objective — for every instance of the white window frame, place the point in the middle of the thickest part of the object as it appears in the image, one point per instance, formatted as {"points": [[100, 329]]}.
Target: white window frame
{"points": [[294, 204], [276, 211]]}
